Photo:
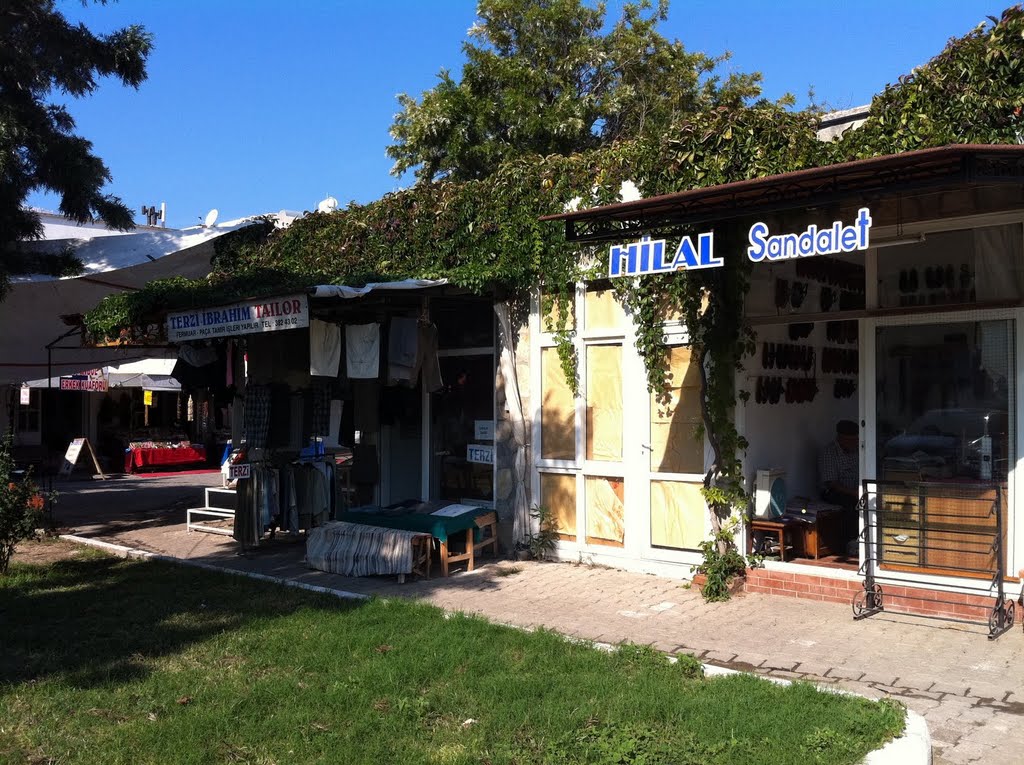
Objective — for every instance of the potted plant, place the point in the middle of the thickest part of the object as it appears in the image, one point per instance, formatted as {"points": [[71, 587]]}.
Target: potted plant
{"points": [[722, 571]]}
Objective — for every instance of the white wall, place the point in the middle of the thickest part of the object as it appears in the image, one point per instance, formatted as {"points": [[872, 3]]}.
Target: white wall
{"points": [[789, 436]]}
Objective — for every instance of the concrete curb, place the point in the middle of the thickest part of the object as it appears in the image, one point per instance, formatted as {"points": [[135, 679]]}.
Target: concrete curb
{"points": [[914, 747]]}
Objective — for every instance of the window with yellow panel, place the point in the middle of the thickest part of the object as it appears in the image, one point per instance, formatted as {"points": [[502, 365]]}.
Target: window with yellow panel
{"points": [[604, 402], [605, 510], [558, 495], [600, 308], [678, 514], [674, 422], [557, 410]]}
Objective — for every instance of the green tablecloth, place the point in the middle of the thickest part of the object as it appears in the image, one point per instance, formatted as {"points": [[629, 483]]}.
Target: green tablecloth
{"points": [[439, 526]]}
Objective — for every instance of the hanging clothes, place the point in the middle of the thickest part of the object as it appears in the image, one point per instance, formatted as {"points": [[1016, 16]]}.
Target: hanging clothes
{"points": [[324, 348], [403, 350], [256, 417], [321, 409], [426, 360], [362, 351]]}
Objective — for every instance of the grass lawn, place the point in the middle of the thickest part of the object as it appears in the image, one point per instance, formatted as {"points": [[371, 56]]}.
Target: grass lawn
{"points": [[110, 661]]}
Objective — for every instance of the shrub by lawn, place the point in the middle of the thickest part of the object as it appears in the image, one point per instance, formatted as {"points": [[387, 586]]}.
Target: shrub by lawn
{"points": [[111, 661]]}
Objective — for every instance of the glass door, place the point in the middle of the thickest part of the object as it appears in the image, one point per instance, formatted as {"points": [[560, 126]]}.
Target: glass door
{"points": [[462, 431]]}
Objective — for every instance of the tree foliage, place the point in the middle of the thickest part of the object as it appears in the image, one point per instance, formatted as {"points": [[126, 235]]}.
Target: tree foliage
{"points": [[542, 77], [43, 54]]}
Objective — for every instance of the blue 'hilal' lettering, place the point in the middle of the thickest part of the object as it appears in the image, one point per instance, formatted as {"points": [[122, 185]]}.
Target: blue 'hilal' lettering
{"points": [[648, 257]]}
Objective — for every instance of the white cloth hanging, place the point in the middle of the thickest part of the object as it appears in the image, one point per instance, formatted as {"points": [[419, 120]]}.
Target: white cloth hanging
{"points": [[324, 348], [362, 351]]}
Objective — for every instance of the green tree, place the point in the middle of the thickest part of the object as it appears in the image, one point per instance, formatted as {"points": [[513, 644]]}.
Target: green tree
{"points": [[542, 77], [42, 54]]}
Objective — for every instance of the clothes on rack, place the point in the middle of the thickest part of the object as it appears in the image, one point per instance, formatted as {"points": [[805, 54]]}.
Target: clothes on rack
{"points": [[256, 499], [294, 497]]}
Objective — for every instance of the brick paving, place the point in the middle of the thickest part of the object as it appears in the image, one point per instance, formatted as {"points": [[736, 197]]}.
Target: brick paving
{"points": [[970, 689]]}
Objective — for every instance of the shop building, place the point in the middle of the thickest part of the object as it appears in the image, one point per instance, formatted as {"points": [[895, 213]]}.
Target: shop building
{"points": [[911, 333], [395, 383]]}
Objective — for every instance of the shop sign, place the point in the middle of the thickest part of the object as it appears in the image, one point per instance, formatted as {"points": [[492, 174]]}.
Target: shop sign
{"points": [[482, 454], [649, 256], [26, 396], [249, 317], [241, 470], [94, 381], [147, 398]]}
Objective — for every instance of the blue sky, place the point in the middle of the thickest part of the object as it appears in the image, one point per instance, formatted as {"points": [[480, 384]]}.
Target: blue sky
{"points": [[265, 105]]}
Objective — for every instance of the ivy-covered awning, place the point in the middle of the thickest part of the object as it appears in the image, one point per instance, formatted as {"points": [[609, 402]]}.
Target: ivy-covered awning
{"points": [[953, 166]]}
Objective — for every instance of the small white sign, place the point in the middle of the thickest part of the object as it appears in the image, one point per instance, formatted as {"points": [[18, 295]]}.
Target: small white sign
{"points": [[26, 395], [482, 454], [242, 470], [483, 430]]}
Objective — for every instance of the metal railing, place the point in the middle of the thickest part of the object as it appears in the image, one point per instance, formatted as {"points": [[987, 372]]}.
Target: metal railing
{"points": [[933, 528]]}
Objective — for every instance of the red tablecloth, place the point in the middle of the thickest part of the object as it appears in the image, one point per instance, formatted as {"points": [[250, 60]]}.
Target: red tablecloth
{"points": [[143, 458]]}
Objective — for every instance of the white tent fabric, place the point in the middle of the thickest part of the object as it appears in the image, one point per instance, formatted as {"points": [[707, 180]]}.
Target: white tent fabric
{"points": [[341, 291], [30, 314]]}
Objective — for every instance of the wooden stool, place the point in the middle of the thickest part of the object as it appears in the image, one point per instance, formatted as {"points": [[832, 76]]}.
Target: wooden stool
{"points": [[779, 527], [489, 533]]}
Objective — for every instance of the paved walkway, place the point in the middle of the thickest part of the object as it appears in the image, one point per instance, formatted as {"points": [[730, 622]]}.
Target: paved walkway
{"points": [[970, 689]]}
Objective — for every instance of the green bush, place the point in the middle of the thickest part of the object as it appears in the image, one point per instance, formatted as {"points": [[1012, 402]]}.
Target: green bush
{"points": [[20, 506]]}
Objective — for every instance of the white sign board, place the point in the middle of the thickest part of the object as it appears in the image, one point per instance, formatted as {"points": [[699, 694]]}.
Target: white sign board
{"points": [[482, 454], [26, 395], [74, 449], [250, 317], [242, 470], [483, 430]]}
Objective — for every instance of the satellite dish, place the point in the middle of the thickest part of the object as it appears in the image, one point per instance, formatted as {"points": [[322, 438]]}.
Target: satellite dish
{"points": [[327, 205], [211, 218]]}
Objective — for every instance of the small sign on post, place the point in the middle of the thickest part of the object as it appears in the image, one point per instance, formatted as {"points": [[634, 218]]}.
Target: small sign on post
{"points": [[26, 395], [74, 452], [242, 470]]}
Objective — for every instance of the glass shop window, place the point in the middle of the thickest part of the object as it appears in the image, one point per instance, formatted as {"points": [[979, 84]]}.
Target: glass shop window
{"points": [[971, 266], [945, 402]]}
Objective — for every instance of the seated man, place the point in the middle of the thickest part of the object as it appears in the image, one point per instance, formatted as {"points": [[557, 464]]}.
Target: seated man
{"points": [[838, 468]]}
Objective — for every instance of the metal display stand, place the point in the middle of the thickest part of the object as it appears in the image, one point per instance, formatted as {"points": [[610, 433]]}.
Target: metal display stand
{"points": [[909, 527], [211, 513]]}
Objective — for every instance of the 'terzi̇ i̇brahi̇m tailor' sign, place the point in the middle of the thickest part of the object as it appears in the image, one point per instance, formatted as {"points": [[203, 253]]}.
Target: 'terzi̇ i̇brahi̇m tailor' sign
{"points": [[267, 315], [648, 257]]}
